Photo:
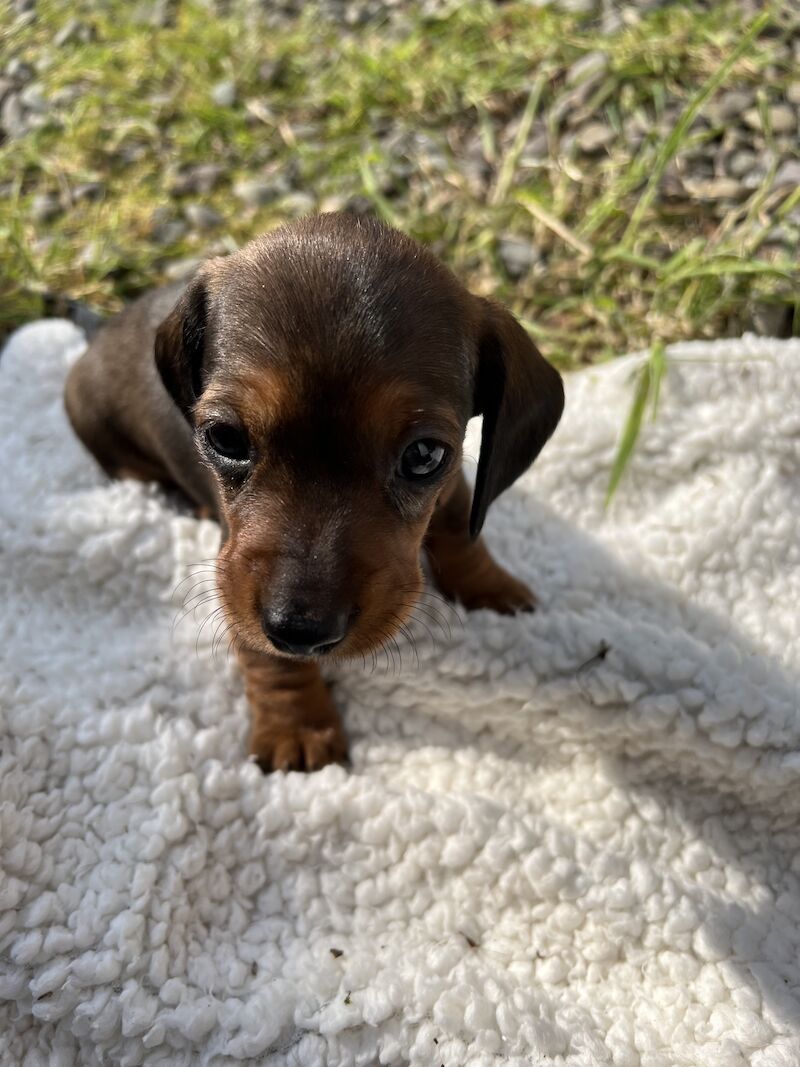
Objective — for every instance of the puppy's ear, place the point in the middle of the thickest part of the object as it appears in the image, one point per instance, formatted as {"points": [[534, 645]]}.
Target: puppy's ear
{"points": [[180, 344], [521, 398]]}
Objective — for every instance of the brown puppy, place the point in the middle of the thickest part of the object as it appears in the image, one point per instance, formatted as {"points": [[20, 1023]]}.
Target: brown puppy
{"points": [[312, 391]]}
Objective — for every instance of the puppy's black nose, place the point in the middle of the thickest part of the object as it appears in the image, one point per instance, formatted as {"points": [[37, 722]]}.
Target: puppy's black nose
{"points": [[304, 635]]}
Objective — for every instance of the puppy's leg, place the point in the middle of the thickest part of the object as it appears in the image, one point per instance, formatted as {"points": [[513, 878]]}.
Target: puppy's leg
{"points": [[295, 725], [463, 569]]}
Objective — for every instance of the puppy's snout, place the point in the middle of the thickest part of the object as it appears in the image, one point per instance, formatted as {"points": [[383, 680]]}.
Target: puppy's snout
{"points": [[303, 634]]}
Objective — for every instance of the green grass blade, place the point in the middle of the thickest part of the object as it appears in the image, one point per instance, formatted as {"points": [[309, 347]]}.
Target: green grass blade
{"points": [[506, 176], [658, 365], [630, 432], [728, 266], [374, 193]]}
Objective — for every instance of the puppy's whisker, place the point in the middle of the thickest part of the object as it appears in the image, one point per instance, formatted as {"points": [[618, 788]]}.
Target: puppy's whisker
{"points": [[193, 609], [208, 590], [442, 624], [191, 589], [447, 609], [203, 624], [184, 614], [404, 630], [437, 620], [425, 627], [221, 628], [196, 570]]}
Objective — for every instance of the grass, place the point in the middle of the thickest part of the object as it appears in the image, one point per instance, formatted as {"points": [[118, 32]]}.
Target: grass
{"points": [[623, 265]]}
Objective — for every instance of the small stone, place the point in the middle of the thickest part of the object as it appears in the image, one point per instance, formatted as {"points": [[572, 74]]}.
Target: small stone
{"points": [[270, 71], [253, 192], [788, 173], [297, 204], [793, 93], [90, 254], [12, 116], [771, 320], [179, 269], [635, 128], [335, 202], [168, 231], [741, 162], [45, 206], [162, 14], [66, 96], [199, 179], [32, 98], [517, 256], [591, 66], [70, 31], [536, 151], [201, 217], [714, 189], [224, 94], [164, 227], [594, 137], [783, 118], [730, 105], [131, 152], [355, 205], [20, 71], [88, 191]]}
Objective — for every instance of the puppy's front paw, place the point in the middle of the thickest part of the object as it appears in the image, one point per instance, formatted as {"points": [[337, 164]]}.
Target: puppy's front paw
{"points": [[295, 724], [297, 747], [489, 586]]}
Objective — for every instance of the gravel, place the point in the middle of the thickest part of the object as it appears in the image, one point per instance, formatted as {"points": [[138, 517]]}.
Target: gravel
{"points": [[788, 173], [44, 207], [202, 217], [254, 192], [577, 131], [88, 191], [180, 269], [224, 94], [518, 255], [594, 137], [201, 178]]}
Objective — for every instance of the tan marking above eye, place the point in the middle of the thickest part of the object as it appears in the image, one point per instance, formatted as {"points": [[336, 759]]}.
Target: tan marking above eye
{"points": [[260, 399], [393, 409]]}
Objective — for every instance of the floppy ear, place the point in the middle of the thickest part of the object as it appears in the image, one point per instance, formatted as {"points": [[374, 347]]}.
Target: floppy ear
{"points": [[521, 398], [179, 346]]}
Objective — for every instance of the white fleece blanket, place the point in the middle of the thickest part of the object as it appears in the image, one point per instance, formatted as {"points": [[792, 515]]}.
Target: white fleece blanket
{"points": [[542, 854]]}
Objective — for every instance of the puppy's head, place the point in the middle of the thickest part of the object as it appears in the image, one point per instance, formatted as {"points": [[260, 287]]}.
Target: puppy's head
{"points": [[329, 370]]}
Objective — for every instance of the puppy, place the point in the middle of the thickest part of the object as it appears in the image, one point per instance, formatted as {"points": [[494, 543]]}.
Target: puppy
{"points": [[311, 392]]}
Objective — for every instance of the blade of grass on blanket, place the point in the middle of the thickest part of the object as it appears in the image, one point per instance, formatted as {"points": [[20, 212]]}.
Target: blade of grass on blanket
{"points": [[648, 385]]}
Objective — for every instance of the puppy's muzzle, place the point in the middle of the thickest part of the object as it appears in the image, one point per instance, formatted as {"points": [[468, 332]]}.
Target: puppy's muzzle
{"points": [[304, 635]]}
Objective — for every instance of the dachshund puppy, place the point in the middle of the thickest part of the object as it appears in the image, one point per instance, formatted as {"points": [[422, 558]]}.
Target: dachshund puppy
{"points": [[311, 392]]}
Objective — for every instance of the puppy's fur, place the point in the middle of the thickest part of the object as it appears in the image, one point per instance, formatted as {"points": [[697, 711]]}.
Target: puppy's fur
{"points": [[284, 391]]}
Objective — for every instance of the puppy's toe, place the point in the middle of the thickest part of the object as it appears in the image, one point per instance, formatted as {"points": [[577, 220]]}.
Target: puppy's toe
{"points": [[494, 588], [298, 749]]}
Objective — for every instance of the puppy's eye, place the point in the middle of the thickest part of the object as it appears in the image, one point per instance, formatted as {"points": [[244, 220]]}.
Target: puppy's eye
{"points": [[422, 459], [228, 441]]}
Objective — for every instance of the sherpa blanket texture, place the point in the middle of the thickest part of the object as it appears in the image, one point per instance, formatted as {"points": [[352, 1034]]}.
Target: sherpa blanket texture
{"points": [[569, 838]]}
